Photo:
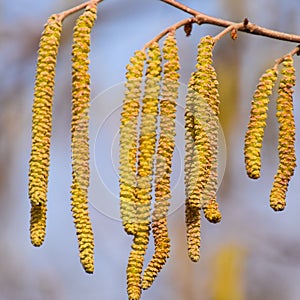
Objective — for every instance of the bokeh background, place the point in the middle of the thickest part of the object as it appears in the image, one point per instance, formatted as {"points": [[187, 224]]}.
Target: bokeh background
{"points": [[253, 254]]}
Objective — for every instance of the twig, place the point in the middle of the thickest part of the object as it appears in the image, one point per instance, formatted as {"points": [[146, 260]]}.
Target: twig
{"points": [[295, 51], [172, 28], [248, 28], [231, 28], [77, 8]]}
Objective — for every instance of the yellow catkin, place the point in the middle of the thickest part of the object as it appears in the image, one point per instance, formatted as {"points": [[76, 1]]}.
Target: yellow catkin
{"points": [[191, 167], [258, 115], [197, 168], [80, 138], [128, 141], [147, 145], [42, 111], [41, 128], [38, 224], [286, 139], [207, 88], [201, 134], [165, 151], [198, 152]]}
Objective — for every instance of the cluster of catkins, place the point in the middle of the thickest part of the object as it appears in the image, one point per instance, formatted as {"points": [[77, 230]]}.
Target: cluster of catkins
{"points": [[41, 132], [147, 135], [286, 138], [145, 154], [147, 142]]}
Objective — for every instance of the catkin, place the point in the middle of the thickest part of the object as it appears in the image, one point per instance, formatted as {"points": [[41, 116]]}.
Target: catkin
{"points": [[286, 139], [165, 150], [196, 169], [147, 145], [41, 128], [192, 191], [208, 90], [128, 141], [201, 135], [80, 138], [258, 115]]}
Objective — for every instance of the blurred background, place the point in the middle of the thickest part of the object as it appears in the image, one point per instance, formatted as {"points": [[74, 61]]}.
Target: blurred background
{"points": [[253, 254]]}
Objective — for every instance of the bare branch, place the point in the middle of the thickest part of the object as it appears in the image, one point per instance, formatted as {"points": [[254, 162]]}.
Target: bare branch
{"points": [[248, 26], [172, 28]]}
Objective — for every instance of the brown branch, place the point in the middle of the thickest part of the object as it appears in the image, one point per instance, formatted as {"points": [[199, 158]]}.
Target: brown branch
{"points": [[248, 26], [77, 8]]}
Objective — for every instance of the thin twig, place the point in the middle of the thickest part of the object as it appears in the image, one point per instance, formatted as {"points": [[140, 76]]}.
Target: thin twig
{"points": [[295, 51], [77, 8], [230, 28], [248, 28], [172, 28]]}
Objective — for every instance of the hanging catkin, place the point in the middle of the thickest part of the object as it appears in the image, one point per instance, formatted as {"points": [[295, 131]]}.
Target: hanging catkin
{"points": [[208, 90], [147, 145], [164, 156], [258, 115], [197, 167], [192, 191], [128, 141], [201, 130], [41, 128], [286, 139], [80, 139]]}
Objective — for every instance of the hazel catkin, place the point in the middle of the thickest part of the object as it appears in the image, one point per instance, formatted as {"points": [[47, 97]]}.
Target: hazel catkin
{"points": [[80, 138], [146, 152], [201, 134], [164, 155], [258, 115], [128, 141], [42, 111], [208, 89], [192, 190], [41, 128], [286, 138]]}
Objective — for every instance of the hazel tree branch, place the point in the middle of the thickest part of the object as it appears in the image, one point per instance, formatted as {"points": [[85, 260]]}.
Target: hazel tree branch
{"points": [[248, 27]]}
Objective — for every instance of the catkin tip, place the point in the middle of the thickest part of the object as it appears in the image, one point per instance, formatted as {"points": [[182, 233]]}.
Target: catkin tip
{"points": [[38, 224], [211, 212]]}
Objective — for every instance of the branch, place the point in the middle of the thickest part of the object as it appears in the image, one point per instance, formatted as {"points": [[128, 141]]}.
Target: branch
{"points": [[61, 16], [248, 26]]}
